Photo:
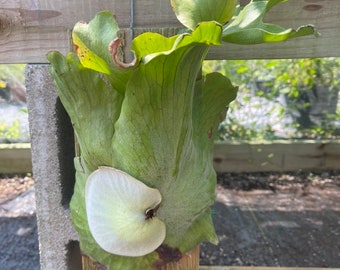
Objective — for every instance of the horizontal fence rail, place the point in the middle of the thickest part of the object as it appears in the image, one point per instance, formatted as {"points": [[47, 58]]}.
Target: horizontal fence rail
{"points": [[30, 29], [15, 158], [277, 156], [228, 157]]}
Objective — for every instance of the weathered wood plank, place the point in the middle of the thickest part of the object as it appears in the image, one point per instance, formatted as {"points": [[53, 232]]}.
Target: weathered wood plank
{"points": [[189, 261], [15, 158], [323, 14], [276, 156], [228, 157], [29, 29]]}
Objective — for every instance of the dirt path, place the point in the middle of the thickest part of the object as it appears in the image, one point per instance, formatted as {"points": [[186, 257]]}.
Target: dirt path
{"points": [[290, 220], [277, 220], [19, 247]]}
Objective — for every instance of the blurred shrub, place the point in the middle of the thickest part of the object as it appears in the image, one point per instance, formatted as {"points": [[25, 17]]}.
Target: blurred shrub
{"points": [[294, 98]]}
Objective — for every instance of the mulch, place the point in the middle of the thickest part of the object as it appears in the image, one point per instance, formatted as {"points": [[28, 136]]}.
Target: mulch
{"points": [[13, 186]]}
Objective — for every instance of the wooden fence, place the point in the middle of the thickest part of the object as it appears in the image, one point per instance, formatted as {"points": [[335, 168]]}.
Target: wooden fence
{"points": [[277, 156], [29, 29], [15, 158]]}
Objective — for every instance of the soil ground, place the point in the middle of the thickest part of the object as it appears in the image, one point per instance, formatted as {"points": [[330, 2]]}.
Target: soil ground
{"points": [[19, 247], [270, 219], [262, 219]]}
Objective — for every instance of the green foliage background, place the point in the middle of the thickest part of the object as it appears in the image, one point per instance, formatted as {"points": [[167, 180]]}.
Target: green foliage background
{"points": [[12, 75], [291, 78]]}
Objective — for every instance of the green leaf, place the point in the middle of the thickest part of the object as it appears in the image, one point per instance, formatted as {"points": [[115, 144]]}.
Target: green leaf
{"points": [[164, 135], [248, 26], [88, 245], [155, 145], [212, 94], [92, 104], [92, 42], [158, 132], [201, 230], [150, 45], [192, 12]]}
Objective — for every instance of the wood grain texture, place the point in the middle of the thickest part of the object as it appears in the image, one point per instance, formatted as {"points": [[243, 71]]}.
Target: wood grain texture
{"points": [[189, 261], [228, 157], [276, 156], [15, 158], [29, 29]]}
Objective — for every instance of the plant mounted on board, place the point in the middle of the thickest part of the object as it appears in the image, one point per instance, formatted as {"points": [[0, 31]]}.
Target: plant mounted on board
{"points": [[145, 180]]}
